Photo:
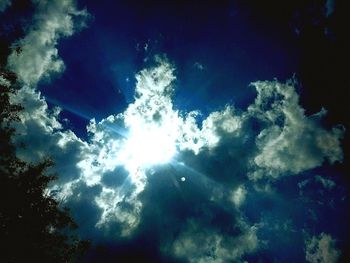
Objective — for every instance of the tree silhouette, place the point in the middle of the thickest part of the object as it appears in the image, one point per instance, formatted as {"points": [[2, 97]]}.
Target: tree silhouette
{"points": [[33, 226]]}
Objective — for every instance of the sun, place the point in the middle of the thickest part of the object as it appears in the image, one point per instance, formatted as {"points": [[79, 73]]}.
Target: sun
{"points": [[153, 128], [148, 146]]}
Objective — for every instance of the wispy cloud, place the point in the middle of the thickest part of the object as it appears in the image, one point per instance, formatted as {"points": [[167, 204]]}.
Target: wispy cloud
{"points": [[36, 55], [201, 244], [321, 249]]}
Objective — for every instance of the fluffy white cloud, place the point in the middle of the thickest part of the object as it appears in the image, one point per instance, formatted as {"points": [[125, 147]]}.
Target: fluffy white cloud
{"points": [[219, 123], [238, 196], [204, 245], [4, 82], [38, 55], [290, 142], [107, 173], [42, 135], [79, 164], [39, 129], [151, 132], [321, 249]]}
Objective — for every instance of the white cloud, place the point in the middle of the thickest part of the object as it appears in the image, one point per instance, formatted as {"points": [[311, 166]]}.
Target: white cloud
{"points": [[119, 141], [39, 129], [42, 135], [321, 249], [327, 183], [238, 196], [115, 141], [38, 57], [148, 133], [219, 123], [4, 82], [151, 132], [4, 4], [290, 142], [118, 206], [203, 245]]}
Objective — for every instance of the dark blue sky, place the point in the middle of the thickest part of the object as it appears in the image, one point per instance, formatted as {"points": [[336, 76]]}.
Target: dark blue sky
{"points": [[233, 45]]}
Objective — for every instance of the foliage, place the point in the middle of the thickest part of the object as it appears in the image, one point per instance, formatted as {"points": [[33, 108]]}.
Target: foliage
{"points": [[33, 226]]}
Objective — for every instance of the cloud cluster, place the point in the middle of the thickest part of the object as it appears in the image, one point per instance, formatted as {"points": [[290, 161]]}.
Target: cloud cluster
{"points": [[4, 82], [290, 141], [148, 133], [204, 245], [219, 143], [108, 175], [42, 135], [114, 172], [321, 249], [36, 55]]}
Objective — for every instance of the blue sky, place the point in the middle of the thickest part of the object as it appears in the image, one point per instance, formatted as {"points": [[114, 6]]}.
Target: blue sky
{"points": [[189, 132], [123, 35]]}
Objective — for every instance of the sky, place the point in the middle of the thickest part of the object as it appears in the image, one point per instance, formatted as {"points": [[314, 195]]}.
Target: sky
{"points": [[189, 131]]}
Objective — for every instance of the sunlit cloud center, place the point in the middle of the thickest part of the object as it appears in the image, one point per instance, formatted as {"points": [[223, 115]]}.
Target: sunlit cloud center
{"points": [[153, 125], [151, 131], [149, 145]]}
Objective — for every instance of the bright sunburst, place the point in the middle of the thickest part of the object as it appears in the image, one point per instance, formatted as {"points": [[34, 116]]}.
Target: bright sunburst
{"points": [[147, 146], [153, 125]]}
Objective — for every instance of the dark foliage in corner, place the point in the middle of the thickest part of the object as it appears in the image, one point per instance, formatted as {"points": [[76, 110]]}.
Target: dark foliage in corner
{"points": [[33, 226]]}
